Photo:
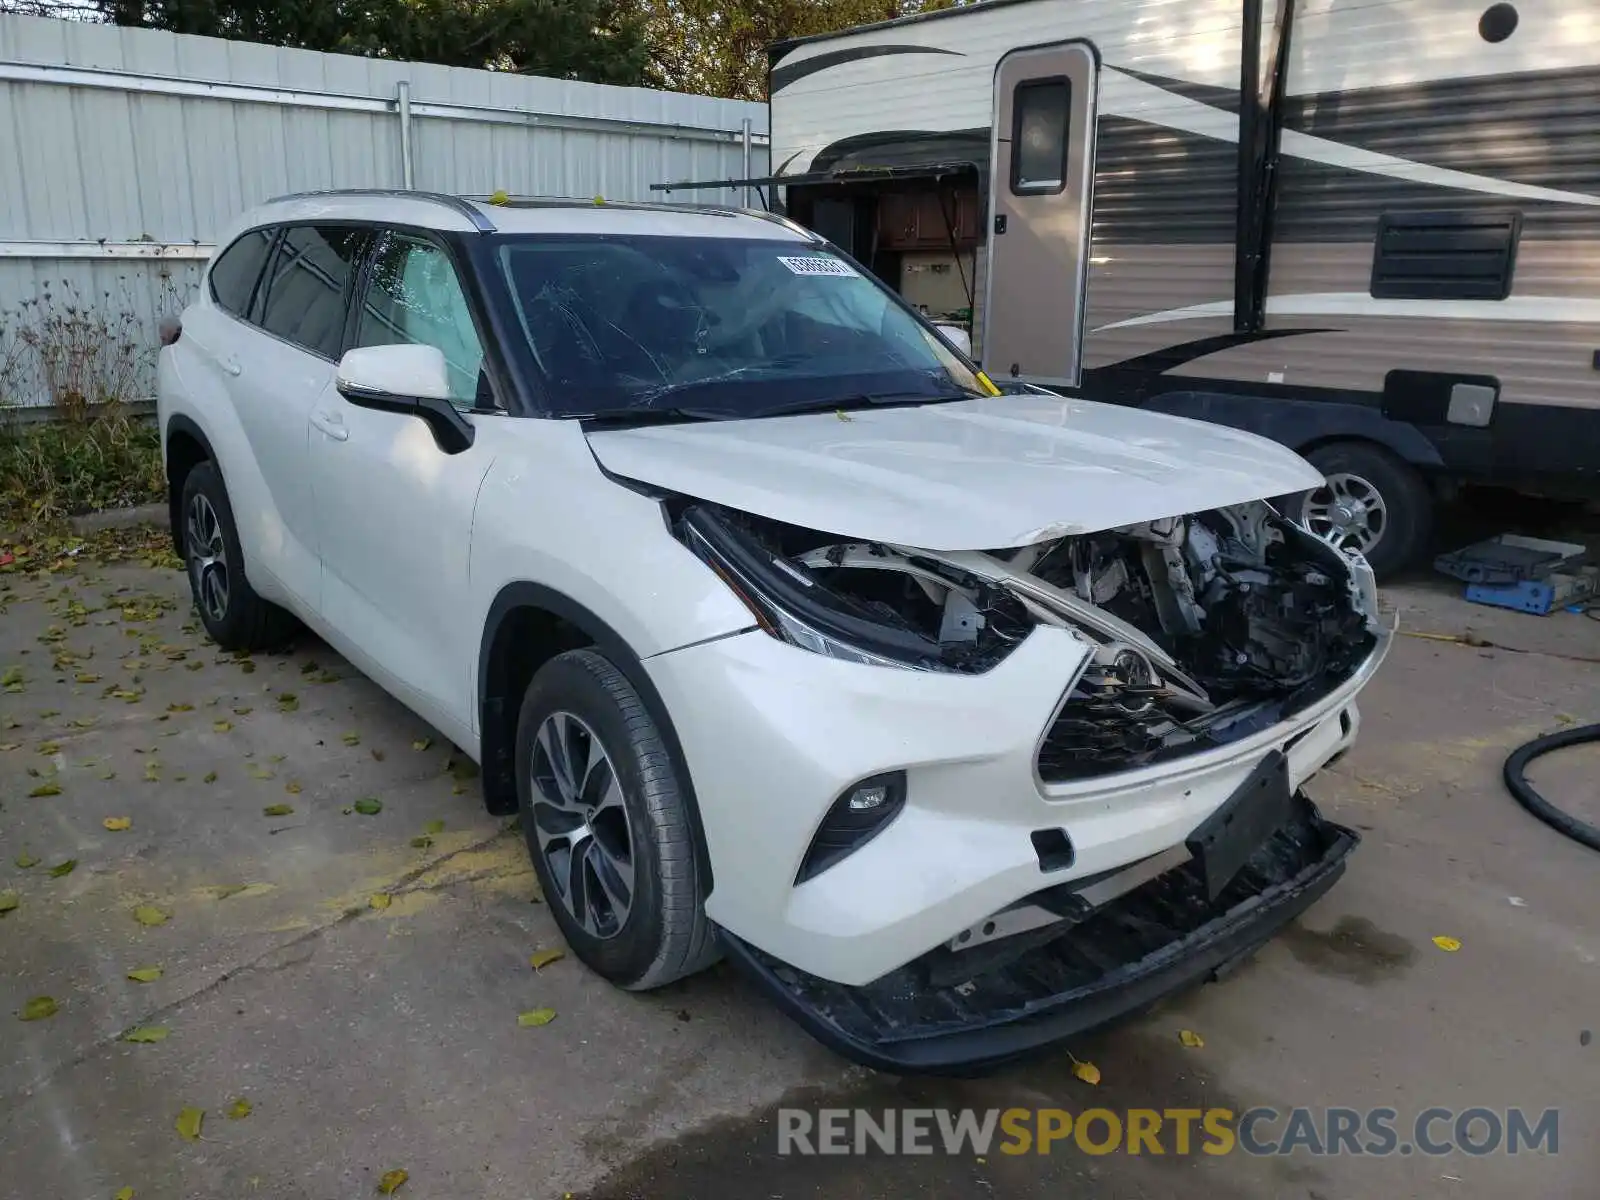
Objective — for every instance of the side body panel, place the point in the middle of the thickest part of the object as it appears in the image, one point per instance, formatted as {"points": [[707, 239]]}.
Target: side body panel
{"points": [[235, 384]]}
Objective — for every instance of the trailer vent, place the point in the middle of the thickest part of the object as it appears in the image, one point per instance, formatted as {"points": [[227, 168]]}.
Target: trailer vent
{"points": [[1445, 255]]}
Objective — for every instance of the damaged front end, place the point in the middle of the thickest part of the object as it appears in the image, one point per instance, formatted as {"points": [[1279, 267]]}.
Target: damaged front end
{"points": [[1191, 632], [1199, 629]]}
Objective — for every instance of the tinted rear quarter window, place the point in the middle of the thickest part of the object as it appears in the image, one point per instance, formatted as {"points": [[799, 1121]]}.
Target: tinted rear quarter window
{"points": [[309, 284], [234, 274]]}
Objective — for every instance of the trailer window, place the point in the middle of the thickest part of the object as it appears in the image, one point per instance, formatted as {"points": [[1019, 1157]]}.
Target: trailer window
{"points": [[1040, 109]]}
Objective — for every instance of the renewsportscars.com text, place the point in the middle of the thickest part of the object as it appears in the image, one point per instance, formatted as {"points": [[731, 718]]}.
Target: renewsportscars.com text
{"points": [[1374, 1132]]}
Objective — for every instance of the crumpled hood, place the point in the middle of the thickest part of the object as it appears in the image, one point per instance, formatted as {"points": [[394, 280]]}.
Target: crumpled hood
{"points": [[973, 474]]}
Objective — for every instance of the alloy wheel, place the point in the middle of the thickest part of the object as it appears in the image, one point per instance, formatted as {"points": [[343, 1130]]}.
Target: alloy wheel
{"points": [[1347, 511], [580, 822], [208, 557]]}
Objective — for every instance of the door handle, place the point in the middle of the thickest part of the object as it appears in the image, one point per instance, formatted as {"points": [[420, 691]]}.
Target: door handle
{"points": [[331, 424]]}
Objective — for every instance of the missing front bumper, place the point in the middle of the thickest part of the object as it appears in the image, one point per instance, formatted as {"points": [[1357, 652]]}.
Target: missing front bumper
{"points": [[1140, 947]]}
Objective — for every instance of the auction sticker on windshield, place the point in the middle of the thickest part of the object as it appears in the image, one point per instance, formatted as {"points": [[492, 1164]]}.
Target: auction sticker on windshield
{"points": [[818, 266]]}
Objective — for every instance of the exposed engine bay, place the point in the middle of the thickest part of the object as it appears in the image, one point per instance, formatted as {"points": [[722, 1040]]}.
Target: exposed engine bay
{"points": [[1204, 628]]}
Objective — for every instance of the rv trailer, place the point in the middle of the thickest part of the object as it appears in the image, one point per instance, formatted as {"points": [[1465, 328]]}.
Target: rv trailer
{"points": [[1367, 229]]}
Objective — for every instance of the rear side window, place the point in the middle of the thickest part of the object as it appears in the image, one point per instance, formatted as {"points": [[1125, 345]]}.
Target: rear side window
{"points": [[309, 285], [1039, 136], [234, 274]]}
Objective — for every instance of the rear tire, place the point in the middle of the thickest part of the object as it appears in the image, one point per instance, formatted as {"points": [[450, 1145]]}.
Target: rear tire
{"points": [[609, 830], [1373, 502], [233, 614]]}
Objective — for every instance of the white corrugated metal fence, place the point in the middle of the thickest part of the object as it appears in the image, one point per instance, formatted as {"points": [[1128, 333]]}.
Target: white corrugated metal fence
{"points": [[123, 151]]}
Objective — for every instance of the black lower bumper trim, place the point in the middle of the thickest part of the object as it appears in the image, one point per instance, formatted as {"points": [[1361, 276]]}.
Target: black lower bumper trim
{"points": [[1159, 938]]}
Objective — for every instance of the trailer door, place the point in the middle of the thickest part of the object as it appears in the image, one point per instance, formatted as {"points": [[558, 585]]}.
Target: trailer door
{"points": [[1041, 167]]}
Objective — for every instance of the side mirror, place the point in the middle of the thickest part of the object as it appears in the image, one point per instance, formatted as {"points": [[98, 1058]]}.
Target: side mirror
{"points": [[410, 380]]}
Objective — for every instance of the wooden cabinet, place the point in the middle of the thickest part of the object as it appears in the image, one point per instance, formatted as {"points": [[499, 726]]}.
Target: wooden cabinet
{"points": [[919, 221]]}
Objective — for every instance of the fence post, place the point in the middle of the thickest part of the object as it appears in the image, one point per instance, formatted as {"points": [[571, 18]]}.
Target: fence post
{"points": [[403, 105], [746, 174]]}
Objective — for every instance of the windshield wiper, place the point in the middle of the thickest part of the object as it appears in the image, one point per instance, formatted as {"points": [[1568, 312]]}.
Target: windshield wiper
{"points": [[657, 416], [859, 400]]}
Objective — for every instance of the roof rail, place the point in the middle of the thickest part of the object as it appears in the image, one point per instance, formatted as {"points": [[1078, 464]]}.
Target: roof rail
{"points": [[457, 204], [766, 214]]}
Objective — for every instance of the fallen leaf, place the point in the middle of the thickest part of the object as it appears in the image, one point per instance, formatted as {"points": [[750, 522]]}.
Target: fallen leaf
{"points": [[351, 739], [422, 743], [421, 843], [1191, 1039], [540, 959], [223, 891], [369, 806], [1448, 944], [243, 712], [118, 824], [123, 1194], [222, 726], [257, 771], [149, 914], [391, 1181], [433, 827], [292, 787], [247, 667], [146, 1033], [377, 755], [48, 748], [288, 702], [842, 415], [87, 678], [209, 777], [277, 810], [9, 902], [189, 1121], [10, 745], [108, 775], [239, 1109], [145, 974], [38, 1009], [380, 900], [46, 789], [66, 867], [536, 1016], [1085, 1071], [26, 860]]}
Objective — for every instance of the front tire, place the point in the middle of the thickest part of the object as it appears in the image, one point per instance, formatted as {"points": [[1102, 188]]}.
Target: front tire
{"points": [[608, 827], [233, 614], [1372, 502]]}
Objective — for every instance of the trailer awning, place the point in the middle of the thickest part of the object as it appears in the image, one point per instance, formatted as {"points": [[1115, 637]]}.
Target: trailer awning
{"points": [[848, 175]]}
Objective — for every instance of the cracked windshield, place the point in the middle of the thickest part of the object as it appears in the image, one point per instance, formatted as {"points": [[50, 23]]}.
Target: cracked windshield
{"points": [[719, 327]]}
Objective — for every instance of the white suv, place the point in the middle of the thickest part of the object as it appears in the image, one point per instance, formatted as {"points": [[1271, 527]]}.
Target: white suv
{"points": [[963, 720]]}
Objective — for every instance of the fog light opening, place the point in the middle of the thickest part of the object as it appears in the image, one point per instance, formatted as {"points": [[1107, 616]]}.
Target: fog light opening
{"points": [[861, 812]]}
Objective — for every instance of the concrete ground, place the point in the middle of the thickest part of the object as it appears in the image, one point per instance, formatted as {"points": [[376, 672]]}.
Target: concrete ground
{"points": [[368, 1039]]}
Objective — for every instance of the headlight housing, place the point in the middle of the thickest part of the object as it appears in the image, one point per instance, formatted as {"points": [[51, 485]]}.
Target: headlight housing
{"points": [[794, 607]]}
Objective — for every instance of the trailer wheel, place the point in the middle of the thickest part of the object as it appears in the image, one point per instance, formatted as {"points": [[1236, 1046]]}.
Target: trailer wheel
{"points": [[1372, 502]]}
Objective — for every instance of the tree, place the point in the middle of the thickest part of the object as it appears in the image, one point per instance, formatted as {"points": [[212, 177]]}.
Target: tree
{"points": [[719, 47], [601, 41]]}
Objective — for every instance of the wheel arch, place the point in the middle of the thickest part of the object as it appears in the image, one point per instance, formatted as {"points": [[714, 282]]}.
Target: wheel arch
{"points": [[184, 447], [527, 625]]}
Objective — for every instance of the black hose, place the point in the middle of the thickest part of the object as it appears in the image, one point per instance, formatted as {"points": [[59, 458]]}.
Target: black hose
{"points": [[1517, 781]]}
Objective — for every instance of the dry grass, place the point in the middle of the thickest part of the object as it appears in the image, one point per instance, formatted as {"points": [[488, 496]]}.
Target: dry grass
{"points": [[86, 356]]}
